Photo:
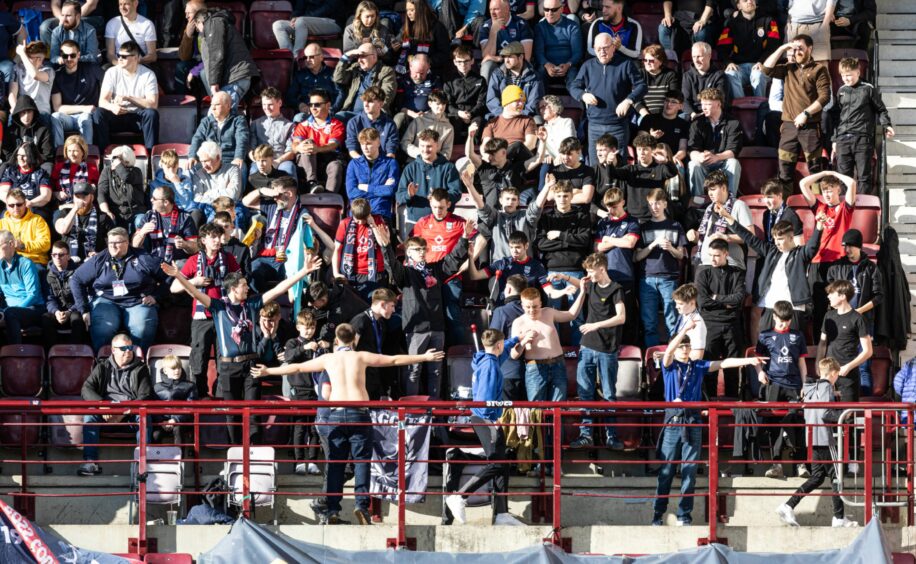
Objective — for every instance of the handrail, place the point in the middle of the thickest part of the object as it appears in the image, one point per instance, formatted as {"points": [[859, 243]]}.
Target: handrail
{"points": [[556, 414]]}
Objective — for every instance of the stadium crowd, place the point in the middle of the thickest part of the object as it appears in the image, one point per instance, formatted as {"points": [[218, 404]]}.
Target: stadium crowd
{"points": [[542, 165]]}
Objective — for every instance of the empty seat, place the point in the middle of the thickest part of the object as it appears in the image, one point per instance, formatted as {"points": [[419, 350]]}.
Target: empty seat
{"points": [[22, 370], [163, 477], [758, 164], [68, 368], [262, 472], [458, 362], [276, 66], [327, 209], [237, 9], [629, 373], [654, 380], [745, 111], [261, 16], [178, 118], [881, 365]]}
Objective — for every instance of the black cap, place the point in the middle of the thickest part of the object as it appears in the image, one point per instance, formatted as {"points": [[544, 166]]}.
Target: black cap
{"points": [[853, 238], [82, 189]]}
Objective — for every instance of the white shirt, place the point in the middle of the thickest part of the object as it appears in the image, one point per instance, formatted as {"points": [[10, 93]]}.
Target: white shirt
{"points": [[141, 84], [779, 285], [143, 29], [697, 334]]}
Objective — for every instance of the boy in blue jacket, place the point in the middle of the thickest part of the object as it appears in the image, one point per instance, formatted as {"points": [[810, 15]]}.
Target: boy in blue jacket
{"points": [[487, 385], [374, 176]]}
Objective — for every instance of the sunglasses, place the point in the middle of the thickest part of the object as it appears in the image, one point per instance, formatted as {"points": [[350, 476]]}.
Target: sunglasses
{"points": [[59, 255], [124, 55], [16, 205], [316, 104], [552, 10], [69, 55], [124, 348]]}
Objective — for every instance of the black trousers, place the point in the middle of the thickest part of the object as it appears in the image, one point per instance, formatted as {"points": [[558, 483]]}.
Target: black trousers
{"points": [[203, 339], [50, 328], [494, 446], [822, 469], [236, 383], [792, 438], [854, 153], [817, 280], [793, 140], [849, 386], [724, 340], [144, 122], [631, 327], [304, 430]]}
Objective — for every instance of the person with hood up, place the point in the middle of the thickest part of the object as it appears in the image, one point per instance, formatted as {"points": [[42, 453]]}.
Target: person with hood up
{"points": [[487, 385], [228, 65], [26, 127], [120, 377]]}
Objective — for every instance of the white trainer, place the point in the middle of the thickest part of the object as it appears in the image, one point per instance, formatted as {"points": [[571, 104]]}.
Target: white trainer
{"points": [[843, 523], [457, 505], [787, 514], [508, 520]]}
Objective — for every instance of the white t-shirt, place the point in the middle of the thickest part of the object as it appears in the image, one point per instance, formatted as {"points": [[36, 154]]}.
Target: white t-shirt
{"points": [[39, 91], [779, 285], [697, 335], [143, 29], [142, 84], [742, 215]]}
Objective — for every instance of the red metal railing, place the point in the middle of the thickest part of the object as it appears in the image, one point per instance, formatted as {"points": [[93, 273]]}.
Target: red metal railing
{"points": [[880, 419]]}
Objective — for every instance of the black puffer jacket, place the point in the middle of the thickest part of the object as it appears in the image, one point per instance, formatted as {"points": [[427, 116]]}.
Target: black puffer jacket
{"points": [[224, 54]]}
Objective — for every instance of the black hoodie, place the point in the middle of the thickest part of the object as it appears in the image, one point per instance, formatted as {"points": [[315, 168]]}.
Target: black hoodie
{"points": [[19, 133]]}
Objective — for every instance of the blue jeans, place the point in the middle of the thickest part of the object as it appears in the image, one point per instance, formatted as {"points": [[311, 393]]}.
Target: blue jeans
{"points": [[865, 382], [236, 90], [594, 364], [107, 318], [675, 445], [651, 290], [678, 39], [91, 433], [575, 334], [697, 175], [61, 123], [350, 442], [546, 382], [746, 75]]}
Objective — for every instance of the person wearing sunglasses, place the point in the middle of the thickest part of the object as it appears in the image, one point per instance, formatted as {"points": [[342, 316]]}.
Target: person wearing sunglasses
{"points": [[21, 287], [129, 100], [309, 74], [357, 71], [75, 93], [59, 314], [121, 377], [558, 45]]}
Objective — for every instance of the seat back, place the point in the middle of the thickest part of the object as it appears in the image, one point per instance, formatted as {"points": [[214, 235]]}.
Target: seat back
{"points": [[629, 373], [276, 66], [758, 164], [757, 207], [175, 558], [163, 473], [261, 16], [466, 208], [745, 111], [178, 117], [262, 474], [881, 365], [458, 361], [327, 209], [68, 368], [654, 380], [22, 370], [158, 352], [867, 218], [182, 149]]}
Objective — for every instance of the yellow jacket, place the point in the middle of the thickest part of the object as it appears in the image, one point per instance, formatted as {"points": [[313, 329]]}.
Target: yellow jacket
{"points": [[34, 233]]}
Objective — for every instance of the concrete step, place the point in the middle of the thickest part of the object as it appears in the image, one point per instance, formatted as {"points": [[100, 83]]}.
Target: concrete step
{"points": [[896, 52], [902, 20], [896, 69], [890, 82]]}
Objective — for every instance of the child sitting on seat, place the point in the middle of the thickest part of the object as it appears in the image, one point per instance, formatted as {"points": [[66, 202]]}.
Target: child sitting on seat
{"points": [[172, 385]]}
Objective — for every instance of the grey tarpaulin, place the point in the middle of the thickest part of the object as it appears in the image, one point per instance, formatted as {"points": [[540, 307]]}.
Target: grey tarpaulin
{"points": [[249, 542], [384, 479]]}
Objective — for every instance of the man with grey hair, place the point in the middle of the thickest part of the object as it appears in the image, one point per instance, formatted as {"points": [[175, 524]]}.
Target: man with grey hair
{"points": [[609, 86], [21, 286], [700, 77], [214, 177]]}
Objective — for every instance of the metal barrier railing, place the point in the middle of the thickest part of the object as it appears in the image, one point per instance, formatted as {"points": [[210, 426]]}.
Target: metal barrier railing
{"points": [[890, 484]]}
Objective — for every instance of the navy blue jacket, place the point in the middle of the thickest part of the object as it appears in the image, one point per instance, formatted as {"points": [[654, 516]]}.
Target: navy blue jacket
{"points": [[388, 132], [610, 84], [142, 277]]}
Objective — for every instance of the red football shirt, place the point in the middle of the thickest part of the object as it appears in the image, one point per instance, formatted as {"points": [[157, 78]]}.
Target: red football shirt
{"points": [[838, 223], [441, 236]]}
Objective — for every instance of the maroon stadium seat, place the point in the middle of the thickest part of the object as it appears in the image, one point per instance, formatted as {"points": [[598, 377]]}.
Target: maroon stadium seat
{"points": [[275, 428], [176, 558], [182, 149], [22, 370], [276, 66], [262, 15], [758, 164], [327, 209], [68, 368], [867, 218], [881, 366], [238, 11], [177, 118], [745, 111], [649, 23]]}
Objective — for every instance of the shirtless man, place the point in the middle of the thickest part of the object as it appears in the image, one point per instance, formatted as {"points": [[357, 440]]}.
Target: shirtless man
{"points": [[545, 368], [347, 370]]}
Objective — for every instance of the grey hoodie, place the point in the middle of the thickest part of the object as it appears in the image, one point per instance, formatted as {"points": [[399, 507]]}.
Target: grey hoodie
{"points": [[818, 391]]}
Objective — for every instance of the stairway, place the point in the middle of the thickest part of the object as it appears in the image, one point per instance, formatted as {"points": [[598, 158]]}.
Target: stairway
{"points": [[896, 53]]}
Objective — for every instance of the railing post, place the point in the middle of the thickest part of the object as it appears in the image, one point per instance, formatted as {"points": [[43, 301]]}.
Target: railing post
{"points": [[141, 481], [869, 460], [909, 466], [713, 499], [557, 425], [402, 478], [246, 462]]}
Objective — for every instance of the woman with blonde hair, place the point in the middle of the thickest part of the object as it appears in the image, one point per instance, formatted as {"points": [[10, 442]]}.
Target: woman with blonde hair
{"points": [[74, 168], [367, 28]]}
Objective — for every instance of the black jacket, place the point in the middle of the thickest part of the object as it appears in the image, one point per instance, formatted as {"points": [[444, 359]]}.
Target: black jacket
{"points": [[369, 342], [893, 320], [422, 305], [176, 390], [860, 107], [122, 189], [692, 84], [343, 305], [468, 93], [637, 181], [95, 388], [727, 284], [796, 264], [18, 133], [868, 280], [747, 41], [295, 352], [575, 241], [703, 135], [223, 51], [490, 181], [60, 296]]}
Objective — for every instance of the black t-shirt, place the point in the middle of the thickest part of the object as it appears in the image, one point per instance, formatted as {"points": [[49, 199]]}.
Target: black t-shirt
{"points": [[674, 129], [783, 350], [578, 177], [601, 306], [661, 263], [843, 334], [82, 88], [784, 214]]}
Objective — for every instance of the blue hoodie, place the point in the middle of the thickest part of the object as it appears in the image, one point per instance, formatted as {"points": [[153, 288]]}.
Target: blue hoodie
{"points": [[487, 382]]}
